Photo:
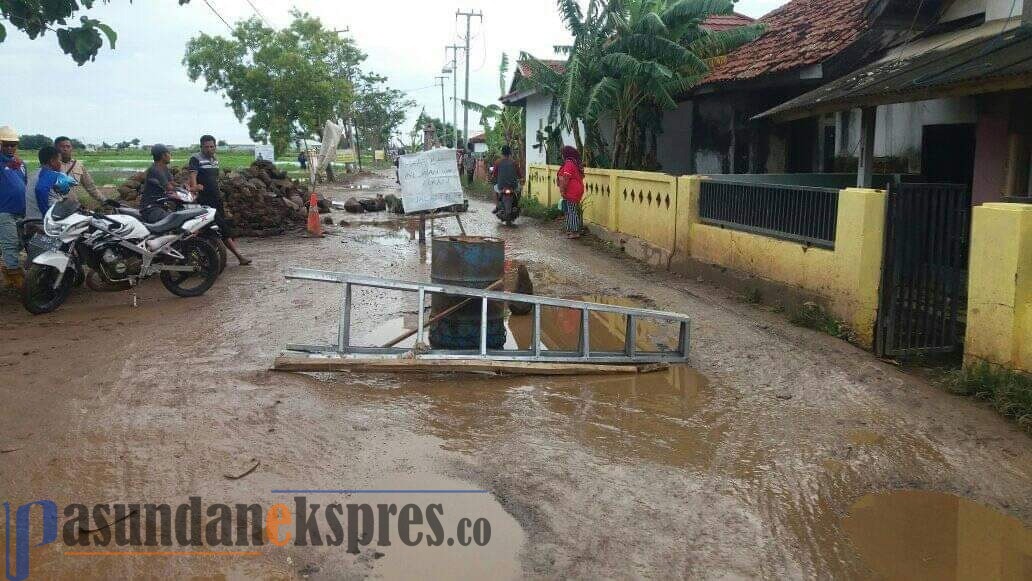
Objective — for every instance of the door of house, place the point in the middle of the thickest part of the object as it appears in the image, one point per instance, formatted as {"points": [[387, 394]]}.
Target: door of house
{"points": [[924, 273], [948, 153]]}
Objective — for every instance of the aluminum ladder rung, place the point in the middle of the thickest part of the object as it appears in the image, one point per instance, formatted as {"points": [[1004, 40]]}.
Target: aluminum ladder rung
{"points": [[583, 354]]}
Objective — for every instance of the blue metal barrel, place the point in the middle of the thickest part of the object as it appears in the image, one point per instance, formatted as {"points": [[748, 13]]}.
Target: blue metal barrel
{"points": [[470, 261]]}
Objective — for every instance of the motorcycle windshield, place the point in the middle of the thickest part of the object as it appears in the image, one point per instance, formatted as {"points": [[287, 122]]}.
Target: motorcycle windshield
{"points": [[64, 209]]}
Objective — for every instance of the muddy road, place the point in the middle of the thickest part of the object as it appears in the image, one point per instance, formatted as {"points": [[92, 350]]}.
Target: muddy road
{"points": [[778, 453]]}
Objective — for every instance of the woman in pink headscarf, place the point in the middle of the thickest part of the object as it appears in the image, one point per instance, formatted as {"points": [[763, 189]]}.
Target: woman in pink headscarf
{"points": [[571, 185]]}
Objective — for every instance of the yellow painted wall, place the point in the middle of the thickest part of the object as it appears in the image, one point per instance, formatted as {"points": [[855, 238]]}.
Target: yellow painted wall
{"points": [[538, 184], [599, 204], [664, 212], [645, 206], [999, 317], [848, 277]]}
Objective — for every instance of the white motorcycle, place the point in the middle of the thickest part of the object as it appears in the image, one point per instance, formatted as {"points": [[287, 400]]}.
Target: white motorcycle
{"points": [[120, 249]]}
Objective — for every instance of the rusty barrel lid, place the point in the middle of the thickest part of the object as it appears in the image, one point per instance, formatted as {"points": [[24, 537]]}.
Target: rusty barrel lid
{"points": [[473, 261]]}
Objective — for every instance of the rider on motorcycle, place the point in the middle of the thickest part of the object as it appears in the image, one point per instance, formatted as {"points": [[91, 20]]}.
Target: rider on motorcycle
{"points": [[506, 175], [48, 187], [157, 186]]}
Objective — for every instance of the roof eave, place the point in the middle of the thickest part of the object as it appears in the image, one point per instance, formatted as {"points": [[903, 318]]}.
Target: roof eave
{"points": [[517, 97], [784, 113]]}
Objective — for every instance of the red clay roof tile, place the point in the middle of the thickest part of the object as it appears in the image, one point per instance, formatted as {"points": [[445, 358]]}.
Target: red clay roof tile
{"points": [[800, 33]]}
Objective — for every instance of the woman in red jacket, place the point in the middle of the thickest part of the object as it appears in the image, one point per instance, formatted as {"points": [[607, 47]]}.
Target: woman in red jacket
{"points": [[571, 184]]}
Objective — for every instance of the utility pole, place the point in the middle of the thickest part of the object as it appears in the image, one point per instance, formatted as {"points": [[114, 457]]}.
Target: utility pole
{"points": [[465, 108], [455, 92], [444, 114]]}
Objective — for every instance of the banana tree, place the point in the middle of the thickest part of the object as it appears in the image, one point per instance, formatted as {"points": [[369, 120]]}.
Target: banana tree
{"points": [[502, 125], [629, 62], [656, 52]]}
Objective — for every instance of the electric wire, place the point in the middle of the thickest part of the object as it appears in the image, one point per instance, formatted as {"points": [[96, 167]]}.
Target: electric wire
{"points": [[259, 13], [216, 12]]}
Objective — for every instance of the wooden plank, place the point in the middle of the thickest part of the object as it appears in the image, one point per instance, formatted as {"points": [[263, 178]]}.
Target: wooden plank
{"points": [[330, 364]]}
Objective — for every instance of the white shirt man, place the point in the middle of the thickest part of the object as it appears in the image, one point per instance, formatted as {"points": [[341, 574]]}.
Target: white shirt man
{"points": [[75, 168]]}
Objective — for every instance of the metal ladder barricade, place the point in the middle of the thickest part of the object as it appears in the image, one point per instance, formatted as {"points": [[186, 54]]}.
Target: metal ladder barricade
{"points": [[584, 354]]}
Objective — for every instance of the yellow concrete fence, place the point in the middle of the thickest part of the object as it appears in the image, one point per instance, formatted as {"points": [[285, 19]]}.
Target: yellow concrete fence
{"points": [[999, 316], [655, 217], [847, 278]]}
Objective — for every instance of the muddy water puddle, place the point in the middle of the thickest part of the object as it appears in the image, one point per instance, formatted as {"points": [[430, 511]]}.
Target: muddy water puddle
{"points": [[662, 417], [560, 330], [922, 535], [394, 238]]}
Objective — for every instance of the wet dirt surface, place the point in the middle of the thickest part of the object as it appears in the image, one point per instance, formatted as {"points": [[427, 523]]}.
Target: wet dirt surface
{"points": [[778, 453]]}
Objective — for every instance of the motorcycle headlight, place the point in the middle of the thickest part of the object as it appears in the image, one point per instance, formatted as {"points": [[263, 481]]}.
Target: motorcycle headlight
{"points": [[52, 228]]}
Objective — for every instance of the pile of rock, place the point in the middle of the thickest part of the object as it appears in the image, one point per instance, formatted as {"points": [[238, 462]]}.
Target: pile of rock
{"points": [[259, 200]]}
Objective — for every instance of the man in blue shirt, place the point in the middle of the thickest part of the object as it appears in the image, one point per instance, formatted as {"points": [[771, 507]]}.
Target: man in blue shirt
{"points": [[13, 178], [48, 186]]}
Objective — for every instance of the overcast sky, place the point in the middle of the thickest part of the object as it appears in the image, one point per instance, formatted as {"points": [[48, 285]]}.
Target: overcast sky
{"points": [[141, 88]]}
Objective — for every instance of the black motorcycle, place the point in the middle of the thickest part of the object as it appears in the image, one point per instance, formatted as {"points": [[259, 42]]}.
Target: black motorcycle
{"points": [[508, 206]]}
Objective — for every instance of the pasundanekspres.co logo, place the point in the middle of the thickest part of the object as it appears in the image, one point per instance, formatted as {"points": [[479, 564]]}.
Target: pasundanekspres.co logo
{"points": [[219, 529]]}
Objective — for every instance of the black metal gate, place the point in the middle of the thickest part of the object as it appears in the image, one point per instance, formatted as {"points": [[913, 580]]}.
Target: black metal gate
{"points": [[924, 277]]}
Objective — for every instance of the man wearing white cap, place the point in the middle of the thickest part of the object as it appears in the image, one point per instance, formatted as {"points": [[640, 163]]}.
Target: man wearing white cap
{"points": [[13, 178]]}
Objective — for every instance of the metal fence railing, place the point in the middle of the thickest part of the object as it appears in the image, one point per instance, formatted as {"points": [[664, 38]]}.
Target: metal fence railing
{"points": [[796, 213]]}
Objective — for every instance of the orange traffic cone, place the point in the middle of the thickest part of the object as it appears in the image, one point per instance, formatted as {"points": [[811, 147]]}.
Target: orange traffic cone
{"points": [[314, 225]]}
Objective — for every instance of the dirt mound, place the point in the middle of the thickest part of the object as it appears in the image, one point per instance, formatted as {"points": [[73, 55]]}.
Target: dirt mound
{"points": [[260, 200]]}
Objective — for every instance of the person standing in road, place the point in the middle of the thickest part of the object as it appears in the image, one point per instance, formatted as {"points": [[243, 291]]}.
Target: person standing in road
{"points": [[571, 184], [469, 162], [13, 179], [76, 169], [157, 185], [204, 172]]}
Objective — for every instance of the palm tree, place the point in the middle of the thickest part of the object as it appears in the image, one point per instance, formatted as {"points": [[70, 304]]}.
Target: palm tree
{"points": [[629, 62]]}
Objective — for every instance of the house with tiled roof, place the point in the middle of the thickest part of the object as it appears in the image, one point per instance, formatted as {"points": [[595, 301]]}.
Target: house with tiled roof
{"points": [[812, 44], [952, 103], [538, 106], [806, 44]]}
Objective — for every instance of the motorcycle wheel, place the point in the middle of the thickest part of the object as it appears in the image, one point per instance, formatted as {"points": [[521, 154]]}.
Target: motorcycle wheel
{"points": [[39, 295], [220, 247], [201, 255], [507, 210]]}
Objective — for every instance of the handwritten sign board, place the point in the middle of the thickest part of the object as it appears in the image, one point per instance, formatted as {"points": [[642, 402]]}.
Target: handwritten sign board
{"points": [[429, 180], [378, 155], [265, 152]]}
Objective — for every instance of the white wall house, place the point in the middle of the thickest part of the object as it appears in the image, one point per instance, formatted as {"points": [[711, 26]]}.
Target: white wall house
{"points": [[536, 112]]}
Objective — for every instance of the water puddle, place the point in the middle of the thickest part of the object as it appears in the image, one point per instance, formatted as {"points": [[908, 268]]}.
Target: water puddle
{"points": [[399, 237], [560, 328], [661, 417], [931, 535]]}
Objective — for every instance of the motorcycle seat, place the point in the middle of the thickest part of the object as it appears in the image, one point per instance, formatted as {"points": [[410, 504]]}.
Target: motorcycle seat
{"points": [[130, 212], [175, 220]]}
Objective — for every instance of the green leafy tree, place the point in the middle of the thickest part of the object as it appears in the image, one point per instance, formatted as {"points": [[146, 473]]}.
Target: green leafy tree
{"points": [[286, 83], [35, 18], [378, 110], [34, 141], [502, 125]]}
